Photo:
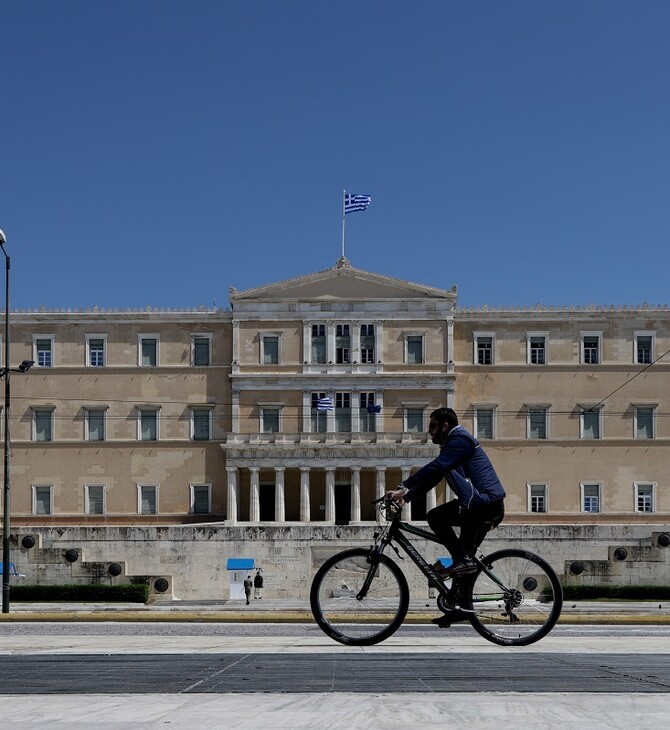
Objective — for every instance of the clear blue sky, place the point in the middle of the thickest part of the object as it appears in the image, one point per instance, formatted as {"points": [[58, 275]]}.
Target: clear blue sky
{"points": [[156, 152]]}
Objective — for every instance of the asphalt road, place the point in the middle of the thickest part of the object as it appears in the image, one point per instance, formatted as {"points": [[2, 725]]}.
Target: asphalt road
{"points": [[235, 671], [359, 673]]}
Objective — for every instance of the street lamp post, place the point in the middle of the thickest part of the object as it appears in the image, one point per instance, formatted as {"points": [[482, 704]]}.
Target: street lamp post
{"points": [[4, 373]]}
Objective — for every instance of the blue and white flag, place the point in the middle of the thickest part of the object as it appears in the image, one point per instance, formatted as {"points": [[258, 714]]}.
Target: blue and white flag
{"points": [[353, 203], [372, 408], [324, 404]]}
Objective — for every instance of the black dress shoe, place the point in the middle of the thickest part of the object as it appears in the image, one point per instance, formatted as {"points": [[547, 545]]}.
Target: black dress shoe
{"points": [[450, 617]]}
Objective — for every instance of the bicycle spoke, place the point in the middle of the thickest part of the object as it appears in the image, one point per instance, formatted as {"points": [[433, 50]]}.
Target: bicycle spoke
{"points": [[525, 607], [356, 602]]}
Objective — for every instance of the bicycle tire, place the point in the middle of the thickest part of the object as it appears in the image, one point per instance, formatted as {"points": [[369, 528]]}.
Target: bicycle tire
{"points": [[354, 621], [524, 613]]}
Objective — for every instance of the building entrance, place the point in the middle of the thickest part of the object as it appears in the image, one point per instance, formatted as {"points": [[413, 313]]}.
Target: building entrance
{"points": [[342, 504]]}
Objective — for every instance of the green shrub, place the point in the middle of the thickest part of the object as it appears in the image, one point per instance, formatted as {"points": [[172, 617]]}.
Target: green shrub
{"points": [[628, 593], [138, 593]]}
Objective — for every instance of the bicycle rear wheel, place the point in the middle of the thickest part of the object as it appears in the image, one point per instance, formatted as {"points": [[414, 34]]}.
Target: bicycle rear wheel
{"points": [[520, 604], [346, 615]]}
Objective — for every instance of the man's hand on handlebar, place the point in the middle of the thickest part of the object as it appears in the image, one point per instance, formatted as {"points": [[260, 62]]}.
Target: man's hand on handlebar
{"points": [[397, 496]]}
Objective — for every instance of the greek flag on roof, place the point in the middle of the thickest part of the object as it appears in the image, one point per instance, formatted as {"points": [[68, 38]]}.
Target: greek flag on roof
{"points": [[324, 404], [353, 203]]}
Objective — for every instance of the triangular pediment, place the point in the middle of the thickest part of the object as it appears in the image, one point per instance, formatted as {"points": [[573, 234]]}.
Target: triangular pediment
{"points": [[341, 282]]}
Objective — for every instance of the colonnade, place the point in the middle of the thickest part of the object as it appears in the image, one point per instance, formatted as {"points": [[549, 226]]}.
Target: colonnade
{"points": [[233, 483]]}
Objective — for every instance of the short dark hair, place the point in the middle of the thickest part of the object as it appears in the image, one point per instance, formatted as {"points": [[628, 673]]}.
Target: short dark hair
{"points": [[445, 415]]}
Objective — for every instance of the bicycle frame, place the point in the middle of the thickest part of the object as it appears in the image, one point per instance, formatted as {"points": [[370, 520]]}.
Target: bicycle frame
{"points": [[394, 532]]}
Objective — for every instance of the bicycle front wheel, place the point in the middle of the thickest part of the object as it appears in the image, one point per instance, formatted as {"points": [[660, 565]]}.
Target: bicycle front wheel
{"points": [[518, 600], [357, 602]]}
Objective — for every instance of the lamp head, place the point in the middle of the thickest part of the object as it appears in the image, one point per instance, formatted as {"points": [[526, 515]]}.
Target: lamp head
{"points": [[25, 366], [3, 239]]}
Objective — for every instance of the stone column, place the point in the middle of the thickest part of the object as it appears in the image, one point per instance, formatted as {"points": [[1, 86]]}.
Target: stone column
{"points": [[431, 500], [306, 411], [379, 417], [379, 341], [330, 415], [381, 481], [231, 517], [235, 411], [355, 354], [236, 347], [254, 497], [407, 509], [450, 339], [280, 502], [304, 494], [355, 493], [355, 411], [330, 494], [307, 342], [330, 341]]}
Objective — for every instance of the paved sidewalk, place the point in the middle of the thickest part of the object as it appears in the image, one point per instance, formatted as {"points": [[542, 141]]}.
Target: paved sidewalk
{"points": [[295, 610]]}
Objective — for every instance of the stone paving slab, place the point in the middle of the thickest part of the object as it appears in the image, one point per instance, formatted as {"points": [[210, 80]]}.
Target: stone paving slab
{"points": [[342, 711]]}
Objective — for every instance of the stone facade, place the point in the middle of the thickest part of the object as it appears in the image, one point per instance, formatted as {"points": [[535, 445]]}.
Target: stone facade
{"points": [[137, 419], [190, 562]]}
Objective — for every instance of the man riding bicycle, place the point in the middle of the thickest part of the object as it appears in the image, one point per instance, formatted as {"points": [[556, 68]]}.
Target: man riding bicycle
{"points": [[479, 503]]}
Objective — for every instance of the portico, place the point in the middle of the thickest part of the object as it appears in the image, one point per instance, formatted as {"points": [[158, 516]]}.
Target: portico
{"points": [[299, 480]]}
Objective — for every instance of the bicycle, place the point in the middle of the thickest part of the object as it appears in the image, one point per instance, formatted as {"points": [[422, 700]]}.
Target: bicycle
{"points": [[360, 596]]}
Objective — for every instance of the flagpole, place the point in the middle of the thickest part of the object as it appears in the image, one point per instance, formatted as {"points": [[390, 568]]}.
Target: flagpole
{"points": [[343, 219]]}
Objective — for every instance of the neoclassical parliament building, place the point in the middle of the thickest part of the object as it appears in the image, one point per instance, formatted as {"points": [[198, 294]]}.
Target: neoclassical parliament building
{"points": [[306, 399]]}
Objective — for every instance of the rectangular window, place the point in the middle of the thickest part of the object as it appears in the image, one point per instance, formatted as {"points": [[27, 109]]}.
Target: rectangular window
{"points": [[644, 497], [319, 343], [537, 497], [590, 497], [342, 344], [368, 420], [414, 349], [95, 424], [43, 424], [44, 352], [95, 499], [414, 420], [590, 349], [484, 350], [148, 424], [42, 500], [319, 418], [537, 422], [644, 348], [202, 420], [591, 423], [367, 343], [644, 422], [149, 352], [537, 350], [202, 345], [270, 420], [484, 423], [342, 412], [148, 499], [201, 495], [270, 350], [96, 351]]}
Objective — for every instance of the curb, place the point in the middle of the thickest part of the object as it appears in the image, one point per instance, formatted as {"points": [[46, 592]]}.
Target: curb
{"points": [[279, 617]]}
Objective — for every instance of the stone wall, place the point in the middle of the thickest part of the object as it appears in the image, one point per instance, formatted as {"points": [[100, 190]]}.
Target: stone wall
{"points": [[192, 559]]}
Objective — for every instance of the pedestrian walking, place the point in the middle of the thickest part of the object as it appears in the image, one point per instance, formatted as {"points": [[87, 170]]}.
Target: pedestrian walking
{"points": [[248, 583]]}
